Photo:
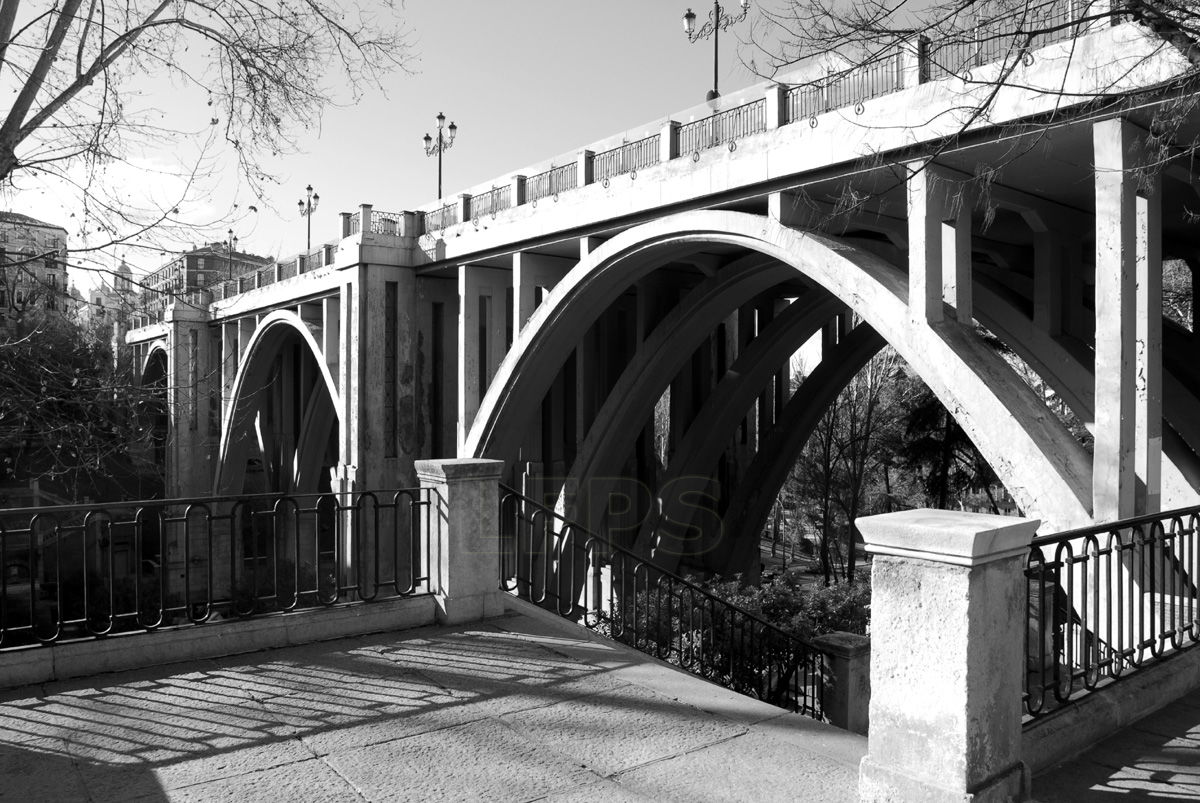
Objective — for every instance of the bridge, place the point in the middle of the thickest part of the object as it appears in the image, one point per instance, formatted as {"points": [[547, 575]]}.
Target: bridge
{"points": [[614, 328]]}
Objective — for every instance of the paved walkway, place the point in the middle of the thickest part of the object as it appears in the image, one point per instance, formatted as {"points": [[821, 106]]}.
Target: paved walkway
{"points": [[518, 708], [1157, 758]]}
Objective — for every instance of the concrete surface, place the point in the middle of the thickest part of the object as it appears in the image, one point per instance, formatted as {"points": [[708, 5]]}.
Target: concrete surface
{"points": [[521, 707], [1157, 758]]}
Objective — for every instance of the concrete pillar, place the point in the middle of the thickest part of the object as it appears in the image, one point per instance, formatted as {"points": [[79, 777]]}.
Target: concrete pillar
{"points": [[481, 340], [229, 365], [926, 211], [330, 331], [914, 61], [845, 679], [1116, 329], [518, 190], [465, 544], [1148, 337], [1048, 269], [192, 389], [668, 143], [345, 219], [584, 167], [531, 271], [956, 261], [776, 97], [948, 629], [364, 218]]}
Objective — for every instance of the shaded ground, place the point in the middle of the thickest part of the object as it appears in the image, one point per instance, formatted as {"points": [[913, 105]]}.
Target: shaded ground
{"points": [[1157, 758], [519, 708]]}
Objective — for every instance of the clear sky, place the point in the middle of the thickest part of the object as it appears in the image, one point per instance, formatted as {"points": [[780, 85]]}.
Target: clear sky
{"points": [[525, 80]]}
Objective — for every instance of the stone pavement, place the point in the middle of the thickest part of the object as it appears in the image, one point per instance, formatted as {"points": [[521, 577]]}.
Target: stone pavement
{"points": [[1156, 758], [518, 708]]}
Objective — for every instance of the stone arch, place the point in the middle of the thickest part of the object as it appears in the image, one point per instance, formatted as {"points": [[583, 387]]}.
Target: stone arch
{"points": [[1046, 470], [320, 407]]}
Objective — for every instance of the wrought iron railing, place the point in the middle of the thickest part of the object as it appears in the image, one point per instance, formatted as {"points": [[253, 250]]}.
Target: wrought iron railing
{"points": [[551, 182], [849, 89], [1105, 601], [440, 218], [627, 158], [726, 126], [1007, 36], [94, 570], [557, 564], [491, 202], [385, 223]]}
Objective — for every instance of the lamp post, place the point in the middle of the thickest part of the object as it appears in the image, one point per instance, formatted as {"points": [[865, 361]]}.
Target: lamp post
{"points": [[718, 21], [307, 207], [442, 143], [230, 244]]}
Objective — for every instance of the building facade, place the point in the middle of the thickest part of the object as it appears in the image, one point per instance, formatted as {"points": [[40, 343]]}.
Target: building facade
{"points": [[33, 267]]}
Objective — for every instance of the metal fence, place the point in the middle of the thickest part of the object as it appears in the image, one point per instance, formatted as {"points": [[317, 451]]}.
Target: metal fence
{"points": [[551, 182], [93, 570], [491, 202], [726, 126], [849, 89], [440, 218], [558, 565], [1107, 600], [627, 158], [385, 223], [1004, 37]]}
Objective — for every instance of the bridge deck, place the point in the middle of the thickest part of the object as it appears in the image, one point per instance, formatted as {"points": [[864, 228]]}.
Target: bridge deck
{"points": [[515, 709]]}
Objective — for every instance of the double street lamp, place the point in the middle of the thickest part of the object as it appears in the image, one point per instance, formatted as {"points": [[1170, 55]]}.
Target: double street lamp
{"points": [[442, 143], [307, 207], [718, 21]]}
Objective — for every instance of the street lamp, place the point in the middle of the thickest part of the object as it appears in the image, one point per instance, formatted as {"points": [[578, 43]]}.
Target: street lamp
{"points": [[718, 21], [230, 244], [306, 209], [443, 143]]}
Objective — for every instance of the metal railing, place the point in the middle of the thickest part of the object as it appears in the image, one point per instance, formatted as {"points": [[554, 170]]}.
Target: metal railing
{"points": [[491, 202], [1003, 38], [557, 564], [385, 223], [627, 158], [849, 89], [440, 218], [1104, 601], [551, 182], [94, 570], [726, 126]]}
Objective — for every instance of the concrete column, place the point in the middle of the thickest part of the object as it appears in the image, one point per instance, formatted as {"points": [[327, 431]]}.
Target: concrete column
{"points": [[1116, 329], [192, 384], [914, 61], [330, 331], [229, 365], [926, 211], [531, 271], [465, 546], [584, 167], [668, 143], [476, 283], [776, 97], [948, 625], [956, 262], [364, 218], [518, 190], [1048, 271], [1148, 371], [345, 219], [845, 679]]}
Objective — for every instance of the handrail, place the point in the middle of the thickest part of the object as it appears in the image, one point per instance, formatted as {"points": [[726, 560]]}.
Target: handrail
{"points": [[651, 608], [1106, 599]]}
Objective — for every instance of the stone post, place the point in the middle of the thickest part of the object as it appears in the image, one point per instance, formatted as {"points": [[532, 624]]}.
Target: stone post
{"points": [[845, 679], [518, 190], [585, 167], [464, 560], [914, 61], [776, 97], [345, 216], [364, 220], [948, 630], [668, 142], [464, 207]]}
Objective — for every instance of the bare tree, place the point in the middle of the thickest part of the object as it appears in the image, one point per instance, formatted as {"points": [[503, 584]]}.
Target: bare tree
{"points": [[73, 71]]}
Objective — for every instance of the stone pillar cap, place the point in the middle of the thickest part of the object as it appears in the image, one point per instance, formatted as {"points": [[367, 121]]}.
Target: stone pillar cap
{"points": [[947, 536], [457, 469]]}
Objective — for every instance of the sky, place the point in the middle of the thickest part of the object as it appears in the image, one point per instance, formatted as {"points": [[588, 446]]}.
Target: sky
{"points": [[524, 80]]}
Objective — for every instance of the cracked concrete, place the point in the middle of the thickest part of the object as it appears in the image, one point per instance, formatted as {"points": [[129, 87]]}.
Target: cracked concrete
{"points": [[524, 707]]}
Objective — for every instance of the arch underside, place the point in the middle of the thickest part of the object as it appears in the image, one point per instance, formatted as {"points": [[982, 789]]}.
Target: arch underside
{"points": [[803, 281], [282, 430]]}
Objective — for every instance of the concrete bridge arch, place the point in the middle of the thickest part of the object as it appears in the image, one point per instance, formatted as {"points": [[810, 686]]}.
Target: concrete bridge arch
{"points": [[1045, 469], [282, 376]]}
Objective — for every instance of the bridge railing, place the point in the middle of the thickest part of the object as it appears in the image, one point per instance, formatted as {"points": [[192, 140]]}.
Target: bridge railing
{"points": [[726, 126], [489, 203], [93, 570], [557, 564], [1105, 601], [551, 182], [628, 157]]}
